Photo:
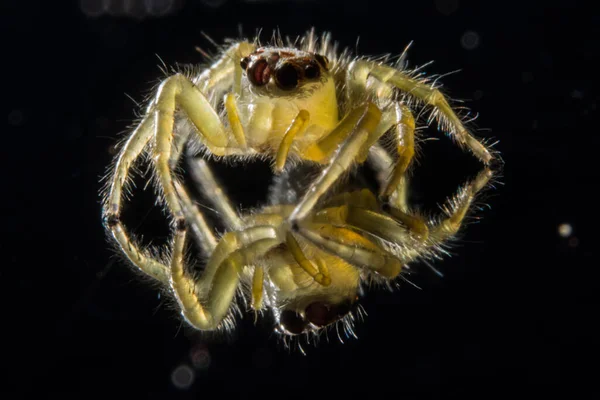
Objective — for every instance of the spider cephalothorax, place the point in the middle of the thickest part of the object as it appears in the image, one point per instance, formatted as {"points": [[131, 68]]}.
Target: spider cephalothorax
{"points": [[305, 255]]}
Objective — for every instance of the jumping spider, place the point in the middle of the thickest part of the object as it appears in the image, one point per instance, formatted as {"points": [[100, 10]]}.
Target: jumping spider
{"points": [[298, 104]]}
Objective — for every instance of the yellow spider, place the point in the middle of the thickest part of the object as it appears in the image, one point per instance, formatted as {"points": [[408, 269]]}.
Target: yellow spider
{"points": [[300, 105]]}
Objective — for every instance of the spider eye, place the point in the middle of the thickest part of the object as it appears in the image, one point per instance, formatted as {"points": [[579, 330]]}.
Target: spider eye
{"points": [[287, 77], [259, 73], [312, 71], [292, 322], [321, 314], [244, 62], [324, 61]]}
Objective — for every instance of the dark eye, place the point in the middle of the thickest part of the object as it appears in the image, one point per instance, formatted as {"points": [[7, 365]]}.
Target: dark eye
{"points": [[324, 61], [259, 73], [286, 77], [244, 62], [312, 71], [321, 314], [292, 322]]}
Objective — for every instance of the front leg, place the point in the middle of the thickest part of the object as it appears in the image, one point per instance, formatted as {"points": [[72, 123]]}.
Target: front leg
{"points": [[445, 115], [205, 303], [357, 136], [179, 91]]}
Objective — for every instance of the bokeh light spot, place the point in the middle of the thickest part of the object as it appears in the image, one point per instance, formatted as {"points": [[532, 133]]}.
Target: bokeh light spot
{"points": [[182, 377], [470, 40], [565, 230]]}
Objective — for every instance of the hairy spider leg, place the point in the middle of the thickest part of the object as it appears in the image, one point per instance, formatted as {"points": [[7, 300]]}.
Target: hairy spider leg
{"points": [[455, 208], [206, 302], [195, 220], [352, 132], [351, 141], [320, 273], [175, 91], [142, 259], [131, 150], [179, 92], [334, 229], [445, 115], [361, 211], [393, 188], [209, 80], [214, 192], [129, 153], [351, 247], [205, 180], [217, 76], [348, 240]]}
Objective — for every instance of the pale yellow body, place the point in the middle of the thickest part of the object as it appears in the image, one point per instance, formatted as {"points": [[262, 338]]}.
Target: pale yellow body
{"points": [[266, 120]]}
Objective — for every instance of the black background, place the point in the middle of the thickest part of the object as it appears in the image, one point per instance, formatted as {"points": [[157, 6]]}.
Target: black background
{"points": [[516, 310]]}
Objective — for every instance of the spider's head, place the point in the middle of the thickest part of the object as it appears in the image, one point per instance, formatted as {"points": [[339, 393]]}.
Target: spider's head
{"points": [[284, 70], [316, 314]]}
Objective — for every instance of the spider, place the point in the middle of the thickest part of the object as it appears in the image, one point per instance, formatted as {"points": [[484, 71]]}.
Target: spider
{"points": [[300, 105]]}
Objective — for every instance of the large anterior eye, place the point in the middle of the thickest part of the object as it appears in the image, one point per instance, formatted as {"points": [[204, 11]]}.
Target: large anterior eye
{"points": [[259, 73], [292, 322], [321, 314], [287, 77]]}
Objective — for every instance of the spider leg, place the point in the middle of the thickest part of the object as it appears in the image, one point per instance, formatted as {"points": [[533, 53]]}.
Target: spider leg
{"points": [[361, 212], [213, 80], [457, 207], [405, 140], [355, 129], [372, 221], [400, 118], [352, 247], [196, 221], [112, 203], [447, 118], [322, 150], [203, 177], [158, 114], [218, 76], [320, 273], [387, 228], [393, 183], [383, 163], [127, 156], [206, 302], [140, 258], [217, 79], [175, 91]]}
